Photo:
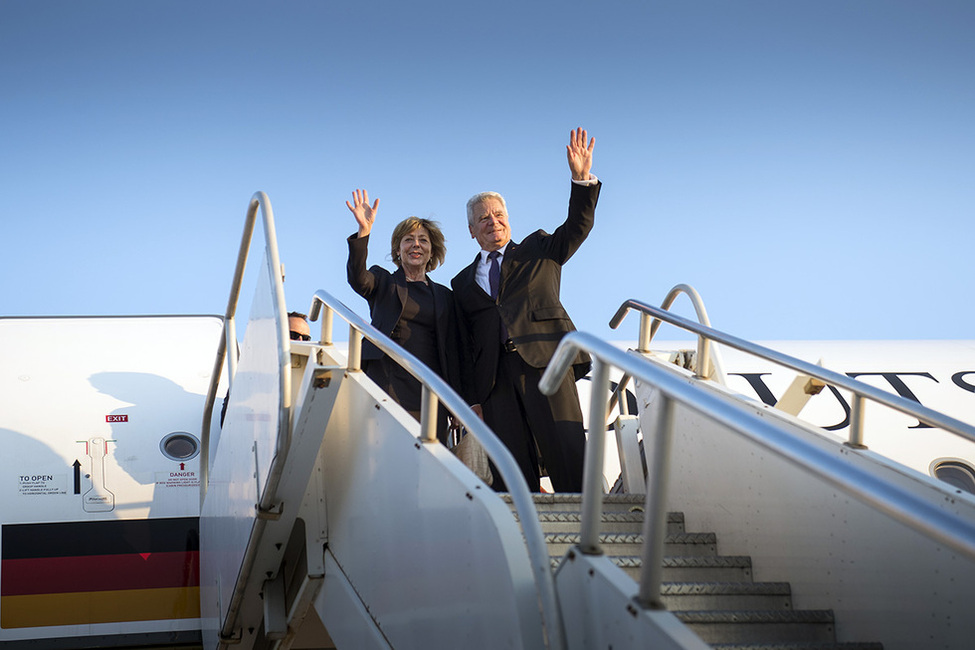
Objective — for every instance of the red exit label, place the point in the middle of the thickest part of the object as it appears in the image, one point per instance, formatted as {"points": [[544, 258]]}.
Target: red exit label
{"points": [[116, 418]]}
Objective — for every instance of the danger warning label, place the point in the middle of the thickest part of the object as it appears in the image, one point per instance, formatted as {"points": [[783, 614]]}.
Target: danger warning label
{"points": [[182, 478]]}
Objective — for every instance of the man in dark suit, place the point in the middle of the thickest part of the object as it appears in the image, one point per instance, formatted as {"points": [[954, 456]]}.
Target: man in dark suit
{"points": [[512, 320]]}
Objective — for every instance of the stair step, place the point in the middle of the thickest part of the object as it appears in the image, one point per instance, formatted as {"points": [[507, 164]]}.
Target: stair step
{"points": [[798, 646], [704, 568], [573, 501], [689, 596], [610, 522], [679, 544], [765, 626], [713, 595]]}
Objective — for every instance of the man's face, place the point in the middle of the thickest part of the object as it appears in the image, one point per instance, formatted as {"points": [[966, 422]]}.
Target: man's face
{"points": [[490, 227], [300, 327]]}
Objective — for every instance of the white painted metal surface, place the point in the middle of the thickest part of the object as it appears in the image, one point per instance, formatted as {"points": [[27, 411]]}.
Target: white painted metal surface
{"points": [[599, 611], [241, 460], [435, 388], [433, 556], [85, 404], [885, 581], [299, 494]]}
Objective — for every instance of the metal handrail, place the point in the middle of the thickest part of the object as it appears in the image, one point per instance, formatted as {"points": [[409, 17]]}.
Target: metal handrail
{"points": [[703, 344], [648, 329], [266, 501], [886, 496], [229, 341], [859, 389], [434, 388]]}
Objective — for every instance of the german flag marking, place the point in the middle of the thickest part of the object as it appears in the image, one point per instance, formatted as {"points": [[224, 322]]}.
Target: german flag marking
{"points": [[99, 572]]}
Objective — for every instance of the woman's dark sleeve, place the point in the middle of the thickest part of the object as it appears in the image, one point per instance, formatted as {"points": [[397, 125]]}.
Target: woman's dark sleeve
{"points": [[361, 279]]}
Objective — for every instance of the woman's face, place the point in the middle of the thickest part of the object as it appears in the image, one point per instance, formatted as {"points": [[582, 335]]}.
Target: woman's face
{"points": [[415, 249]]}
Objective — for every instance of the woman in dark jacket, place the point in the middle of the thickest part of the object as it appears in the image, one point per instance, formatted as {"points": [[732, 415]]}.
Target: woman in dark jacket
{"points": [[406, 305]]}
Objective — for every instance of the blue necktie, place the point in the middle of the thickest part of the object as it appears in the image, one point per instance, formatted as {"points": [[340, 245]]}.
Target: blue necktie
{"points": [[494, 279], [494, 273]]}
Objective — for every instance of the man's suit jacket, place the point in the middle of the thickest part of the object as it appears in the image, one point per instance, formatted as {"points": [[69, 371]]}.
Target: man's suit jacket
{"points": [[528, 299], [386, 294]]}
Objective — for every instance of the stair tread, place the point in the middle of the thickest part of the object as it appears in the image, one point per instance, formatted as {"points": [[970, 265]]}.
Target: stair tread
{"points": [[688, 560], [606, 517], [738, 588], [576, 497], [854, 645], [629, 538], [757, 616]]}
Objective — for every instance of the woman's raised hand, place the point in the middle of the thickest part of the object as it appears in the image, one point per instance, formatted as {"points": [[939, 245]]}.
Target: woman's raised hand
{"points": [[364, 214]]}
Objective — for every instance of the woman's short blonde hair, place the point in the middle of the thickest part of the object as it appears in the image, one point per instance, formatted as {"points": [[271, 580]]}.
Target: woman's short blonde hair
{"points": [[438, 247]]}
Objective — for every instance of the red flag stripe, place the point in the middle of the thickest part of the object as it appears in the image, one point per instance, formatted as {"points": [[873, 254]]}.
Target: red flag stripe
{"points": [[52, 575]]}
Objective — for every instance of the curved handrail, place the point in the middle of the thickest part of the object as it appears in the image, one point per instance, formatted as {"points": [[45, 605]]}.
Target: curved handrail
{"points": [[648, 330], [258, 200], [885, 496], [266, 500], [696, 301], [703, 345], [859, 389], [434, 387]]}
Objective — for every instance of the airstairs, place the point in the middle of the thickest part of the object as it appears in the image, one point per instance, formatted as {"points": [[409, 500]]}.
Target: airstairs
{"points": [[330, 518], [368, 530]]}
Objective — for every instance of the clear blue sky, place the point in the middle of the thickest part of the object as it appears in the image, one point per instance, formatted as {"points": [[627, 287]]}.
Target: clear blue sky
{"points": [[808, 166]]}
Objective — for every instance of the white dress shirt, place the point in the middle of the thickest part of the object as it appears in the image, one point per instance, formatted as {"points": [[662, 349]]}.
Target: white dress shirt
{"points": [[484, 267]]}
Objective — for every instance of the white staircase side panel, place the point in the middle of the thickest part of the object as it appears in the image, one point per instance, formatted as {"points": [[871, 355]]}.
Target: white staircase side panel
{"points": [[346, 618], [241, 456], [598, 606], [222, 540], [434, 555], [884, 580]]}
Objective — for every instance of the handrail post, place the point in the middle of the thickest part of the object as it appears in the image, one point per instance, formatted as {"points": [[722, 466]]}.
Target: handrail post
{"points": [[327, 319], [856, 423], [655, 517], [428, 415], [703, 357], [646, 332], [592, 478], [620, 395], [355, 349]]}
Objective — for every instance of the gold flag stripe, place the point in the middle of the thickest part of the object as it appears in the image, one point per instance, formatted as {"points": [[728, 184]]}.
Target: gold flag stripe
{"points": [[89, 607]]}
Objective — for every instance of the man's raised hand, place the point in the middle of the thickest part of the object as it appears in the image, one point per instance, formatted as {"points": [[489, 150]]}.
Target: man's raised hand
{"points": [[579, 154]]}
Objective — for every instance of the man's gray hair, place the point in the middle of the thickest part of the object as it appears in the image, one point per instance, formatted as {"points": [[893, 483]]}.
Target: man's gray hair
{"points": [[480, 198]]}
